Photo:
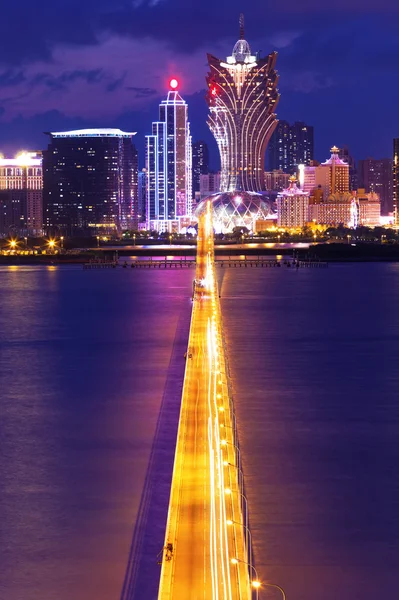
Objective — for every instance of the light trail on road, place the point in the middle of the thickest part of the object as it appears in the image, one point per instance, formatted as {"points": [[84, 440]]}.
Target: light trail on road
{"points": [[199, 542]]}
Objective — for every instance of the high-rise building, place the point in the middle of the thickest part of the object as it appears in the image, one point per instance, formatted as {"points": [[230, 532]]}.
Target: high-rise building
{"points": [[169, 164], [90, 181], [21, 194], [290, 146], [200, 163], [346, 156], [209, 184], [330, 177], [142, 196], [242, 98], [292, 206], [276, 181], [376, 176], [396, 180]]}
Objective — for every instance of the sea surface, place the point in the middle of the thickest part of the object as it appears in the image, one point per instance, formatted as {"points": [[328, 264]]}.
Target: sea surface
{"points": [[91, 367], [314, 357]]}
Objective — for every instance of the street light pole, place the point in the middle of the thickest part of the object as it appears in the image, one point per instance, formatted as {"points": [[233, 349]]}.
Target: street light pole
{"points": [[255, 583], [274, 585]]}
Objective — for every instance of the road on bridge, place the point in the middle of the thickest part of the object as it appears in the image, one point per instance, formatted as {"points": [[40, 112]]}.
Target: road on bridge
{"points": [[205, 522]]}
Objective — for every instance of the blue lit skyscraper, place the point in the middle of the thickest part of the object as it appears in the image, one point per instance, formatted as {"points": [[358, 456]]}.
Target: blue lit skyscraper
{"points": [[168, 164]]}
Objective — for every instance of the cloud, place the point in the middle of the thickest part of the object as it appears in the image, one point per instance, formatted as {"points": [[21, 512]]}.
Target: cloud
{"points": [[110, 78]]}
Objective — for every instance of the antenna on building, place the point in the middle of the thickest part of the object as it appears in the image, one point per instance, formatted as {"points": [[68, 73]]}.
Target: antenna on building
{"points": [[242, 32]]}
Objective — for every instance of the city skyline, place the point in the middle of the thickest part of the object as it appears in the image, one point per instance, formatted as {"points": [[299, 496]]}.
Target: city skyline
{"points": [[66, 77]]}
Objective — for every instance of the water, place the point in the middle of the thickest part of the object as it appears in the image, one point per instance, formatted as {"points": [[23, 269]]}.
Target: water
{"points": [[86, 357], [89, 384], [314, 357]]}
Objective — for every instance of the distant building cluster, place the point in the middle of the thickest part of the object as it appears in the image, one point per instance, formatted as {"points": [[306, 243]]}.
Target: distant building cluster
{"points": [[290, 146], [88, 181], [325, 197]]}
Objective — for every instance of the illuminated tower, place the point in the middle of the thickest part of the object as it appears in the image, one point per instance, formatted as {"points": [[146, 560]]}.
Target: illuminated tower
{"points": [[242, 97], [168, 164]]}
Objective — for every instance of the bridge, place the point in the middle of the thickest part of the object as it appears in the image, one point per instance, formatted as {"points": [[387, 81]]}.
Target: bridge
{"points": [[207, 551]]}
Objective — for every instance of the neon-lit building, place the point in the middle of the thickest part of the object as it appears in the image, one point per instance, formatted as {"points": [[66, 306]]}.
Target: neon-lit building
{"points": [[292, 206], [169, 165], [242, 98], [21, 194], [90, 181]]}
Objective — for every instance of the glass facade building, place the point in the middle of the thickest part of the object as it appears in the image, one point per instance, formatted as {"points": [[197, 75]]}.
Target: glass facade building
{"points": [[169, 165], [242, 98], [90, 181]]}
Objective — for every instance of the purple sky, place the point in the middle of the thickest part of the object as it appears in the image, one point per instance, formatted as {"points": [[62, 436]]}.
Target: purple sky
{"points": [[76, 63]]}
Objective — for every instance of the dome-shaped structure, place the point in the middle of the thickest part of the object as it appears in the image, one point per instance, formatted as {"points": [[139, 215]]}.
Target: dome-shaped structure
{"points": [[236, 209]]}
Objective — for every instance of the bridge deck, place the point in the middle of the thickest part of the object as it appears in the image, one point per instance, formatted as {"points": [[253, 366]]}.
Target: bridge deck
{"points": [[199, 542]]}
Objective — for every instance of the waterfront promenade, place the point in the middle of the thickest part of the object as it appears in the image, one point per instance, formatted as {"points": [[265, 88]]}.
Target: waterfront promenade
{"points": [[206, 543]]}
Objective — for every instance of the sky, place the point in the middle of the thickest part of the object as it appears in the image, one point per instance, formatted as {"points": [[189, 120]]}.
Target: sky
{"points": [[67, 64]]}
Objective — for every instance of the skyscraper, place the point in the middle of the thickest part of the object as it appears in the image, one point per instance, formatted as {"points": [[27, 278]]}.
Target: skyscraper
{"points": [[376, 176], [168, 164], [90, 181], [242, 97], [21, 194], [346, 156], [200, 163], [142, 195], [290, 146]]}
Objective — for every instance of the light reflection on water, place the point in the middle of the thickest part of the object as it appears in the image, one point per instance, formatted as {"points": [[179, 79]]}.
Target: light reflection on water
{"points": [[85, 357], [314, 360]]}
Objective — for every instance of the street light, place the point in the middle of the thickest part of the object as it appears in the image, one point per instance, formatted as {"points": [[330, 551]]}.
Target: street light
{"points": [[26, 242], [170, 240], [229, 492], [134, 239], [248, 536], [98, 241], [51, 244], [255, 583], [62, 242]]}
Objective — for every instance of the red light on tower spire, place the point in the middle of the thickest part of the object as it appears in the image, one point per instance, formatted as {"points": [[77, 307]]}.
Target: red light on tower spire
{"points": [[173, 83]]}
